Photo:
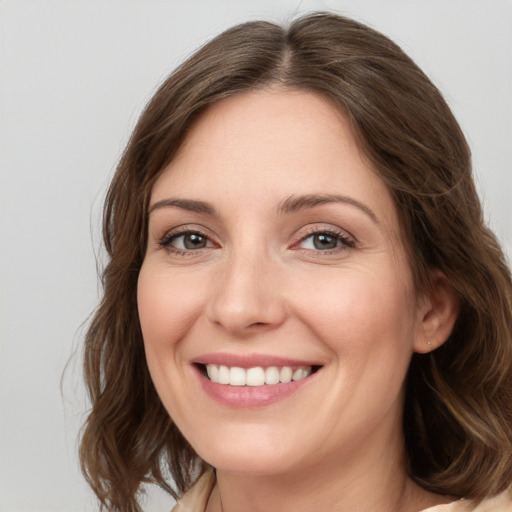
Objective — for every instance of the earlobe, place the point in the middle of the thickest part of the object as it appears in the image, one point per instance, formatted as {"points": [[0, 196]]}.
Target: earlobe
{"points": [[437, 314]]}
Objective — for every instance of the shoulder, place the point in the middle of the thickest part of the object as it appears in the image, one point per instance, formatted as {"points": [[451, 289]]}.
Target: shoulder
{"points": [[500, 503], [196, 498]]}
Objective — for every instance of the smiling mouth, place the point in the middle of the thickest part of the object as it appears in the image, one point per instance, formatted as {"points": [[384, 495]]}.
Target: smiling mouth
{"points": [[255, 376]]}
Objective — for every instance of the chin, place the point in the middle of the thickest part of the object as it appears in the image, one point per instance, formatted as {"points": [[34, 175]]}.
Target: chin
{"points": [[253, 464], [248, 452]]}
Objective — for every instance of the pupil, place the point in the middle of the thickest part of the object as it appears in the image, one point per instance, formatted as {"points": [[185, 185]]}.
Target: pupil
{"points": [[324, 241], [193, 241]]}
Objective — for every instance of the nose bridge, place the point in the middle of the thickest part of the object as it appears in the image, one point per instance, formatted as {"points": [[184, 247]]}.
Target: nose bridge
{"points": [[246, 293]]}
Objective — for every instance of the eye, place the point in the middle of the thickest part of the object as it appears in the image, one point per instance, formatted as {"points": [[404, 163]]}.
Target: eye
{"points": [[325, 241], [185, 241], [321, 242]]}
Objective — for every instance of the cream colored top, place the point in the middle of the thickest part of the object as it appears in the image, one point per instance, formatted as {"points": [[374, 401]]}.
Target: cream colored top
{"points": [[196, 498]]}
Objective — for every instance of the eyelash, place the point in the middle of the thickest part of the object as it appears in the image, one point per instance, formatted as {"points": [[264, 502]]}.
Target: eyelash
{"points": [[345, 241], [166, 241]]}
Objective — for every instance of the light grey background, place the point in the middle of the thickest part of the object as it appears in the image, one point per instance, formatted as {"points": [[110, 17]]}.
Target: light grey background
{"points": [[74, 76]]}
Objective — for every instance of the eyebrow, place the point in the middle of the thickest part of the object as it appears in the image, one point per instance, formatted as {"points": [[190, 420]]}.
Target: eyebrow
{"points": [[297, 203], [191, 205], [289, 205]]}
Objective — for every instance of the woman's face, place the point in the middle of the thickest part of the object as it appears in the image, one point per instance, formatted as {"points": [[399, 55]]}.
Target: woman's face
{"points": [[274, 253]]}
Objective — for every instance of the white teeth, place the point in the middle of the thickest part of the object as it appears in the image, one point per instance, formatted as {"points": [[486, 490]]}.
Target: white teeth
{"points": [[301, 373], [213, 372], [271, 375], [223, 377], [286, 374], [236, 376], [257, 376]]}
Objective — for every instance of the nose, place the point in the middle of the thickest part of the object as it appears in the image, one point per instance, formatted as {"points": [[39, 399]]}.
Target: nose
{"points": [[248, 295]]}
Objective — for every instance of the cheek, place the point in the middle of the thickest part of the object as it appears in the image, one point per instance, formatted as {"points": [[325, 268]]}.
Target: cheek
{"points": [[366, 322], [359, 312], [166, 310]]}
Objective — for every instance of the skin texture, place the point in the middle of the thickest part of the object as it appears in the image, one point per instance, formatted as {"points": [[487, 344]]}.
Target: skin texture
{"points": [[260, 286]]}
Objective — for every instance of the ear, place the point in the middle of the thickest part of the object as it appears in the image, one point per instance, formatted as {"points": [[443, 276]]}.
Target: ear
{"points": [[437, 313]]}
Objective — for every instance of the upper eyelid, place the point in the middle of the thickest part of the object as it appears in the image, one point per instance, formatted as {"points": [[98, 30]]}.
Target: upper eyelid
{"points": [[311, 229], [178, 234], [184, 229]]}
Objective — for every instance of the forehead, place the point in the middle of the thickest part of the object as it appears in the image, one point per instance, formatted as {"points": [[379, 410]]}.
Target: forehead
{"points": [[269, 145]]}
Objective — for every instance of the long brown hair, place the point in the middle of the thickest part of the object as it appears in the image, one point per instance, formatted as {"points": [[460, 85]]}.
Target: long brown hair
{"points": [[458, 410]]}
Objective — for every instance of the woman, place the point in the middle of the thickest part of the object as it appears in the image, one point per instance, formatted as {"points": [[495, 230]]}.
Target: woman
{"points": [[303, 308]]}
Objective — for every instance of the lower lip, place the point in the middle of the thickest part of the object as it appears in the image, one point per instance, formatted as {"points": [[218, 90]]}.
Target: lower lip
{"points": [[251, 396]]}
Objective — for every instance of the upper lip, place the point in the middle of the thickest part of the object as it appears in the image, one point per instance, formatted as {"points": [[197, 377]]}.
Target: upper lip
{"points": [[251, 360]]}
